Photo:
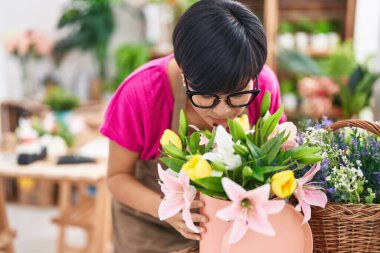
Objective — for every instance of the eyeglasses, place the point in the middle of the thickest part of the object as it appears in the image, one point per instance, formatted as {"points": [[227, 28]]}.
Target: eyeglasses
{"points": [[234, 100]]}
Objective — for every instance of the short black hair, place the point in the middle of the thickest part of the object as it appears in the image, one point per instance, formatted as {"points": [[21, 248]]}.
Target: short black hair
{"points": [[219, 45]]}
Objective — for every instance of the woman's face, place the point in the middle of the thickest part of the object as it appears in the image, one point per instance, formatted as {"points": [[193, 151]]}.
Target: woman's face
{"points": [[219, 114]]}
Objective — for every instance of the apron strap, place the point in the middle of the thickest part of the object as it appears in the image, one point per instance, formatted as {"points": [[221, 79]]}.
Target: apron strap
{"points": [[179, 103]]}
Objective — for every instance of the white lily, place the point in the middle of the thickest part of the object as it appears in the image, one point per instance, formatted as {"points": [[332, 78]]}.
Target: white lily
{"points": [[224, 151]]}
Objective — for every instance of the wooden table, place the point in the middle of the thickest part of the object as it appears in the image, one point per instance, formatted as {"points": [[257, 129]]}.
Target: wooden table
{"points": [[66, 176]]}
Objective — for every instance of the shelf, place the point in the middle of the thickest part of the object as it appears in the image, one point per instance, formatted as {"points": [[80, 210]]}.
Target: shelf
{"points": [[276, 11]]}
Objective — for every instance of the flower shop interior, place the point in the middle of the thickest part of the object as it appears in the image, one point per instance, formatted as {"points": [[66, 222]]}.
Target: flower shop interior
{"points": [[61, 62]]}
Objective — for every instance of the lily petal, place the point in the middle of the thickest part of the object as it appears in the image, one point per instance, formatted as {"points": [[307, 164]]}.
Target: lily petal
{"points": [[238, 231], [168, 179], [230, 212], [260, 194], [310, 174], [273, 206], [186, 215], [166, 210], [261, 225], [315, 197], [306, 212], [233, 190]]}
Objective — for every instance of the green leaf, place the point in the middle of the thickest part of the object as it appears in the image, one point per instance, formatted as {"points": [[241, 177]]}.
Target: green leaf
{"points": [[310, 159], [218, 166], [173, 151], [211, 141], [194, 142], [302, 151], [236, 130], [271, 123], [219, 195], [255, 151], [241, 149], [237, 174], [259, 172], [272, 147], [173, 163], [210, 183], [265, 103], [183, 127]]}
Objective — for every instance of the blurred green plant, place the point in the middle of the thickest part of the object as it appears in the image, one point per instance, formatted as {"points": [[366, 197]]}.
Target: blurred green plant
{"points": [[286, 27], [61, 130], [298, 64], [288, 86], [355, 80], [304, 25], [322, 26], [128, 57], [92, 24], [59, 100]]}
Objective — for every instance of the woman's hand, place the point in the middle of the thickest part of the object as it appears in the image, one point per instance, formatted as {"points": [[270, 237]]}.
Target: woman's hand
{"points": [[179, 224]]}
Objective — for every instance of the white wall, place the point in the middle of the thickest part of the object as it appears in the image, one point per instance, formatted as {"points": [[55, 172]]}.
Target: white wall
{"points": [[367, 29], [42, 15]]}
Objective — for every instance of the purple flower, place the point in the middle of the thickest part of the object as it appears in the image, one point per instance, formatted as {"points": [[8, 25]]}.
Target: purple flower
{"points": [[331, 190], [325, 122], [325, 164], [299, 139]]}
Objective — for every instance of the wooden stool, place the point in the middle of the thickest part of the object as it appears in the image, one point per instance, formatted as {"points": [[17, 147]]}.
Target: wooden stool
{"points": [[82, 215], [6, 234]]}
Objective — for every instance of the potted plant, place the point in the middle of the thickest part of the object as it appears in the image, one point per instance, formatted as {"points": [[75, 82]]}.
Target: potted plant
{"points": [[240, 174], [92, 24], [61, 103], [319, 38], [128, 57], [286, 36]]}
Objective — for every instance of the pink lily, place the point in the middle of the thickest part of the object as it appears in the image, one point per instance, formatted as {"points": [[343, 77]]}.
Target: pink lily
{"points": [[249, 209], [178, 196], [291, 130], [308, 195], [203, 140]]}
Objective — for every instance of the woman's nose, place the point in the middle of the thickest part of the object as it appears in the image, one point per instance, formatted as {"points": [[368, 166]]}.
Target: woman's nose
{"points": [[222, 109]]}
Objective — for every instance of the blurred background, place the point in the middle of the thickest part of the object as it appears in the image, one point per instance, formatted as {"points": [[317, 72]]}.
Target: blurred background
{"points": [[61, 61]]}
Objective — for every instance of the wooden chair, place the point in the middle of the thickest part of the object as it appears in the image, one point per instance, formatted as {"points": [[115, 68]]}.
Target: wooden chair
{"points": [[6, 234], [82, 215]]}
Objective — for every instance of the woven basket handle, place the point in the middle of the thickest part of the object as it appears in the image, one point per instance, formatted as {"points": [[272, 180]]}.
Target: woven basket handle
{"points": [[364, 124]]}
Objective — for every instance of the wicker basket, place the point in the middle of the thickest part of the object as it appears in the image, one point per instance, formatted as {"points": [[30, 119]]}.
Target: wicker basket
{"points": [[347, 227]]}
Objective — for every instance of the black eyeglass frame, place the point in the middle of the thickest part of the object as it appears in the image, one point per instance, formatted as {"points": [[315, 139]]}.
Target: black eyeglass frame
{"points": [[217, 99]]}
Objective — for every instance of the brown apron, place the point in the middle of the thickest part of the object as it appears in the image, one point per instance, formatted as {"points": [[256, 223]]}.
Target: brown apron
{"points": [[136, 232]]}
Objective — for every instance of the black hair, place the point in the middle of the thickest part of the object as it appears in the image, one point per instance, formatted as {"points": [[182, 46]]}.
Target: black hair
{"points": [[219, 45]]}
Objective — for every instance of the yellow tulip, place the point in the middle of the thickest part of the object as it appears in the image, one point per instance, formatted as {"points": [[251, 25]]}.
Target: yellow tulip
{"points": [[244, 122], [171, 137], [197, 168], [284, 183]]}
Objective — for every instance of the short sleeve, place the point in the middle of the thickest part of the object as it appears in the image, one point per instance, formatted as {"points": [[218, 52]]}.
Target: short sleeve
{"points": [[267, 82], [140, 110], [122, 123], [274, 88]]}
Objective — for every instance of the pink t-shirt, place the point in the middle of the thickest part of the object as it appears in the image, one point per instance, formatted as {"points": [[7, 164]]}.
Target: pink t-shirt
{"points": [[142, 107]]}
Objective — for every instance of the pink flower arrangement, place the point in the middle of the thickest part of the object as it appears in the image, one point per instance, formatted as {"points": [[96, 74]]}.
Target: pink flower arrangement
{"points": [[29, 43], [317, 94]]}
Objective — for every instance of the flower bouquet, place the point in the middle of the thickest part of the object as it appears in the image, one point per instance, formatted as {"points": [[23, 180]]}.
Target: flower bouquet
{"points": [[350, 173], [245, 176]]}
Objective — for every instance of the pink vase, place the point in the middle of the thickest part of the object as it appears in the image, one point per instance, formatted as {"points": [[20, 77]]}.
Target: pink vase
{"points": [[291, 236]]}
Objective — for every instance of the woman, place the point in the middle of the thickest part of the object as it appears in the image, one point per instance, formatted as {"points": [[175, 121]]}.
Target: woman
{"points": [[217, 72]]}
